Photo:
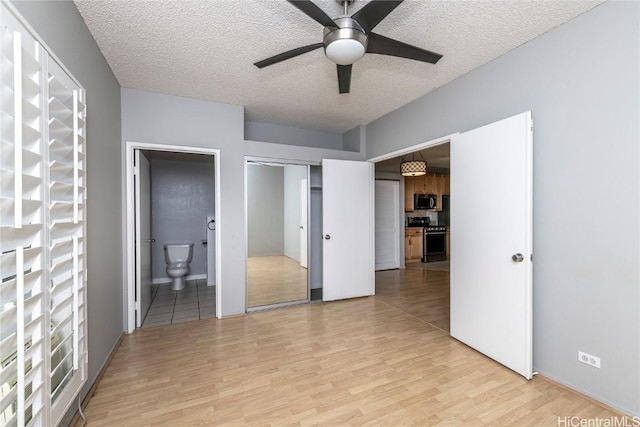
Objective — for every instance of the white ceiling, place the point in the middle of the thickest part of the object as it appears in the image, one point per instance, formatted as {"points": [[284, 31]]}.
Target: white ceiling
{"points": [[206, 49]]}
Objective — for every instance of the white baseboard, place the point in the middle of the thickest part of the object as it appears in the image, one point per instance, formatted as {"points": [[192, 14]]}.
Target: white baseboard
{"points": [[161, 280]]}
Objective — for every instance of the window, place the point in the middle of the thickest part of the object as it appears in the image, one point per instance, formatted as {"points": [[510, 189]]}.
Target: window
{"points": [[43, 357]]}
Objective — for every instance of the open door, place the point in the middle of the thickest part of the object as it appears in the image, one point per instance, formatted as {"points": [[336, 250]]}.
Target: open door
{"points": [[143, 236], [491, 241], [347, 218]]}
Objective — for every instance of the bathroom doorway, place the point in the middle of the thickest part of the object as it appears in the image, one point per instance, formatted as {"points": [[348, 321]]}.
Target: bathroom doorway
{"points": [[172, 197]]}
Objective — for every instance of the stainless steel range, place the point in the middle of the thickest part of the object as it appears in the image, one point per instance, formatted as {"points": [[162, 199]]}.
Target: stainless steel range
{"points": [[434, 240]]}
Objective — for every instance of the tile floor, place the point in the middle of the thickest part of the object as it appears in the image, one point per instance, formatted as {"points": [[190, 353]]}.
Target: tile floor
{"points": [[196, 301]]}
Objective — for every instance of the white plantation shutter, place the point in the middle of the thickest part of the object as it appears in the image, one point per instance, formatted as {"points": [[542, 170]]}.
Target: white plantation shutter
{"points": [[22, 231], [66, 200], [43, 357]]}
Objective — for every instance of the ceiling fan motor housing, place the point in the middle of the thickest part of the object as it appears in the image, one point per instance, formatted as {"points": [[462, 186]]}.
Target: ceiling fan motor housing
{"points": [[346, 44]]}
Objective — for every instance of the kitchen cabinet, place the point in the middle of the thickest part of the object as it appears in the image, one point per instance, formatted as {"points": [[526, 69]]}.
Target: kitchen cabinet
{"points": [[409, 191], [426, 184], [446, 185], [430, 183], [448, 244], [413, 244], [442, 190]]}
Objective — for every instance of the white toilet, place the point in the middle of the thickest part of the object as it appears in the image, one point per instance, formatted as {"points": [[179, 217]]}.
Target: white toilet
{"points": [[178, 256]]}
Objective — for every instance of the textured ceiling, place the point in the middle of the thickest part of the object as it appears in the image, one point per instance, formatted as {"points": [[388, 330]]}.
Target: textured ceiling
{"points": [[206, 49]]}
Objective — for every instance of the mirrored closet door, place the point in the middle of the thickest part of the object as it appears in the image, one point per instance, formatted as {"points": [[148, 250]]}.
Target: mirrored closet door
{"points": [[277, 234]]}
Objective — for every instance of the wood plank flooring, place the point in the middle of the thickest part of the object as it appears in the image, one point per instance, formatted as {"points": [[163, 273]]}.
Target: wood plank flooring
{"points": [[355, 362], [274, 280], [421, 292]]}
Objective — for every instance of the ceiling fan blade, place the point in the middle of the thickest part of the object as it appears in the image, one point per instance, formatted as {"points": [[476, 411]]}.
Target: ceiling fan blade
{"points": [[385, 46], [287, 55], [344, 78], [373, 12], [311, 10]]}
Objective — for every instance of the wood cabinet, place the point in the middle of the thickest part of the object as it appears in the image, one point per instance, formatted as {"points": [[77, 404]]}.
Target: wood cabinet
{"points": [[409, 191], [448, 243], [442, 189], [413, 244], [430, 183], [446, 186]]}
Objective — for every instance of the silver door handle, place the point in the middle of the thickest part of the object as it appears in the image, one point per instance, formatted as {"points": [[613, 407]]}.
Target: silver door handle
{"points": [[301, 228], [150, 240], [517, 257], [327, 237]]}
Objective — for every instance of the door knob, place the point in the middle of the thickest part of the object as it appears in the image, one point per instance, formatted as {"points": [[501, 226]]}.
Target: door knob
{"points": [[327, 236], [301, 228], [150, 240], [517, 257]]}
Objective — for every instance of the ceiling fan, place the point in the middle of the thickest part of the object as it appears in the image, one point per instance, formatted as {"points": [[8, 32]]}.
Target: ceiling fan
{"points": [[347, 38]]}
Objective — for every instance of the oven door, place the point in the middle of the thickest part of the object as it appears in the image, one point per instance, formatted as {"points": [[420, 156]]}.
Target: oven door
{"points": [[434, 246]]}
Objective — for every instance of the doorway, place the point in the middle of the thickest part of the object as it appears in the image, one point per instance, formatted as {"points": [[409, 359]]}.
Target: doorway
{"points": [[149, 229], [418, 287], [491, 271]]}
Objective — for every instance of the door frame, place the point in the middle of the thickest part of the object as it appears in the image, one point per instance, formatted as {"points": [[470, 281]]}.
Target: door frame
{"points": [[129, 230], [402, 152]]}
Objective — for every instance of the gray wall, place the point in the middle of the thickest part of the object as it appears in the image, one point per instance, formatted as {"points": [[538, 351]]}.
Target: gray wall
{"points": [[293, 174], [182, 196], [63, 30], [291, 135], [581, 82], [173, 120], [353, 140], [265, 210]]}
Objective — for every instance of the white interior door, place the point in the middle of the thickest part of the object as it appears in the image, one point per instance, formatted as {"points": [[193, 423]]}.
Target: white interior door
{"points": [[387, 202], [348, 240], [143, 236], [304, 215], [491, 177]]}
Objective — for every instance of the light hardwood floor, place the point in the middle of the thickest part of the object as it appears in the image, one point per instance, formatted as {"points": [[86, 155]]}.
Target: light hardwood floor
{"points": [[418, 291], [356, 362], [274, 280]]}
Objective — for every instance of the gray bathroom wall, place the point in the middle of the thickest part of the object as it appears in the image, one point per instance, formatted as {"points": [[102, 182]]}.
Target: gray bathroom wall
{"points": [[265, 210], [293, 174], [182, 196], [582, 83], [63, 30]]}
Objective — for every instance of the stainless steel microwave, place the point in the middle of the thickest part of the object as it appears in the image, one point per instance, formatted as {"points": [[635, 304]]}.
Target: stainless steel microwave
{"points": [[424, 201]]}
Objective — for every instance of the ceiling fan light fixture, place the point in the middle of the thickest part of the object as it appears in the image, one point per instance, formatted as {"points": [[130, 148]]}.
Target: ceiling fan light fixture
{"points": [[344, 45], [345, 51]]}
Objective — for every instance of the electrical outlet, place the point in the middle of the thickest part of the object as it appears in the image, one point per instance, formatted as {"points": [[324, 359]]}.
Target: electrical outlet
{"points": [[589, 359]]}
